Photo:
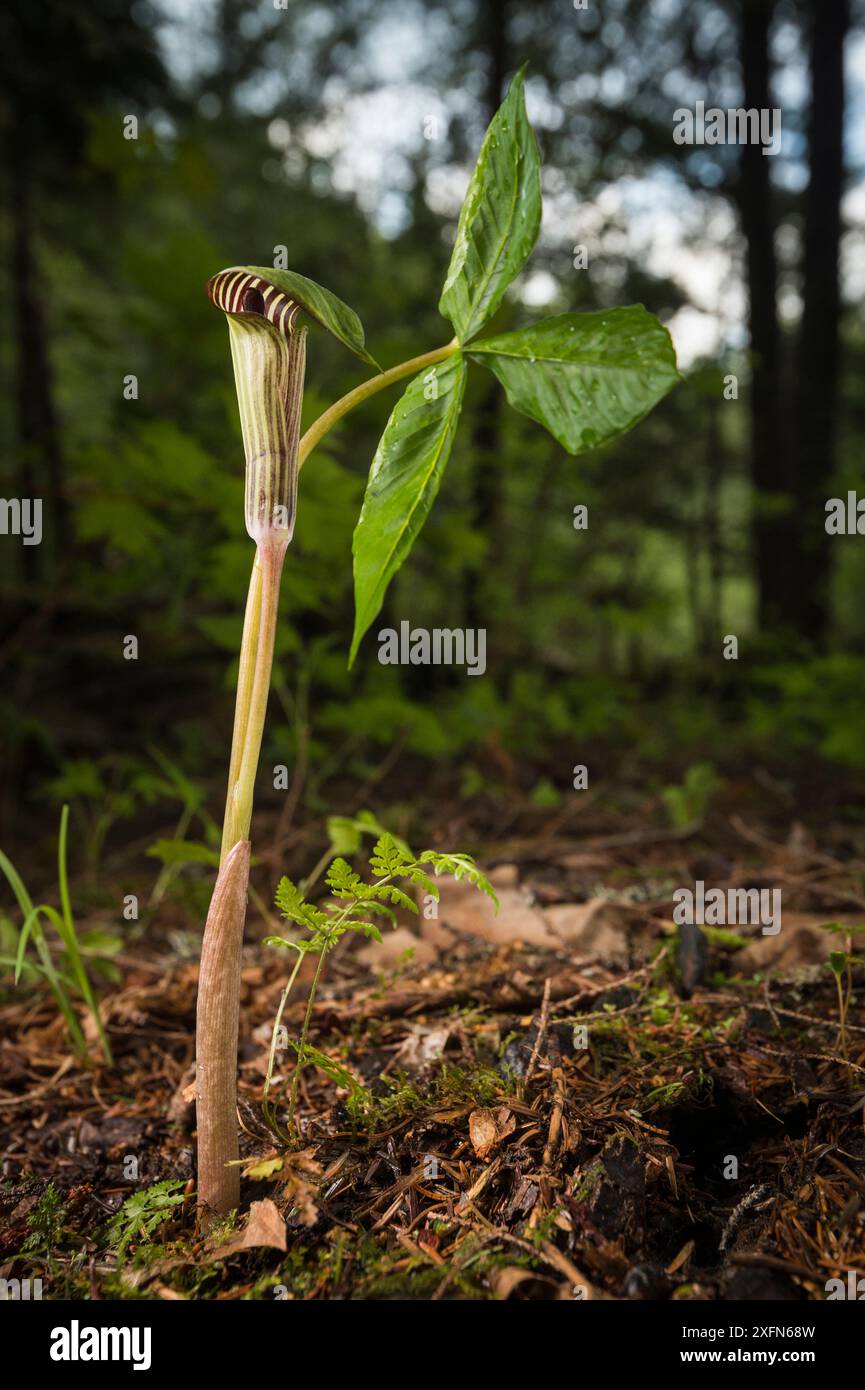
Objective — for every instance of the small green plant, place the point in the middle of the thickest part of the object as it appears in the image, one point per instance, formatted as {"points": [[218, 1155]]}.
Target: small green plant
{"points": [[45, 1223], [841, 964], [66, 976], [688, 803], [101, 794], [355, 903], [838, 963], [143, 1213], [586, 377]]}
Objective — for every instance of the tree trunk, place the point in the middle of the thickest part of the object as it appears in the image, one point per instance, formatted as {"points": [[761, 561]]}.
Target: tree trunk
{"points": [[769, 473], [40, 461], [818, 355]]}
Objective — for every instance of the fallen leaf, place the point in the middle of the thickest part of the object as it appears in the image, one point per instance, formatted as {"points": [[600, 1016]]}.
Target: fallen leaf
{"points": [[504, 1281], [265, 1168], [302, 1181], [487, 1128], [264, 1227], [422, 1046], [682, 1258]]}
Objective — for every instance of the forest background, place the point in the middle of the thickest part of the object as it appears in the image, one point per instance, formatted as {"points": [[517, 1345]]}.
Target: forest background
{"points": [[346, 134]]}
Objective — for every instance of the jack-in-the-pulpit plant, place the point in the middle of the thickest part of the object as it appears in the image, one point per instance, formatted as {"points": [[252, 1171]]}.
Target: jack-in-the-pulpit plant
{"points": [[587, 377]]}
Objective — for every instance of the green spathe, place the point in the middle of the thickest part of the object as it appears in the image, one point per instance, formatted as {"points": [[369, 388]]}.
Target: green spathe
{"points": [[320, 304], [269, 372]]}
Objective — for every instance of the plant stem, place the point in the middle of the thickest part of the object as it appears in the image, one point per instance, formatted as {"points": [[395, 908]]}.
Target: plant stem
{"points": [[246, 667], [253, 687], [334, 413], [271, 1061], [301, 1047], [842, 1017], [334, 930], [70, 940], [217, 1018], [219, 979]]}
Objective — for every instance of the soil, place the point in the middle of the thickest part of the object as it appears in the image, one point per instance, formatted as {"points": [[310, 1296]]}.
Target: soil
{"points": [[571, 1099]]}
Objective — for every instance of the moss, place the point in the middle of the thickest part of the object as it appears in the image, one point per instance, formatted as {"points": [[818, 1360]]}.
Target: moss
{"points": [[418, 1283], [589, 1182]]}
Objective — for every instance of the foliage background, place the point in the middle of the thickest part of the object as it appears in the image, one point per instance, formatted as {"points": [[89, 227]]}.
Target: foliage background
{"points": [[307, 127]]}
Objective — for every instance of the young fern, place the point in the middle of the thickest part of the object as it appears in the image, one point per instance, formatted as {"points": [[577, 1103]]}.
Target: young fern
{"points": [[355, 902]]}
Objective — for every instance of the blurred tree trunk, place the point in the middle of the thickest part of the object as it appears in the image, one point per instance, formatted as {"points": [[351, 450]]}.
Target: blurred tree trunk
{"points": [[486, 439], [818, 356], [714, 539], [40, 461], [769, 473]]}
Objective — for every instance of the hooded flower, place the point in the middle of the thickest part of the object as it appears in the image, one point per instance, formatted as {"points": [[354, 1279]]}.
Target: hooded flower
{"points": [[269, 355]]}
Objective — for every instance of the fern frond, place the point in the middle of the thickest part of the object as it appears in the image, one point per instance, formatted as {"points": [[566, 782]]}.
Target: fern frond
{"points": [[460, 866], [387, 858]]}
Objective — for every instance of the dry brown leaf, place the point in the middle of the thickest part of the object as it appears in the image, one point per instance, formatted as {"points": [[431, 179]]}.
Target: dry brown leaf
{"points": [[302, 1174], [682, 1258], [503, 1281], [264, 1227], [422, 1046], [487, 1128]]}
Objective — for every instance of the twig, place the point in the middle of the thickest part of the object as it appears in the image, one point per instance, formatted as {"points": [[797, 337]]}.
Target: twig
{"points": [[542, 1032]]}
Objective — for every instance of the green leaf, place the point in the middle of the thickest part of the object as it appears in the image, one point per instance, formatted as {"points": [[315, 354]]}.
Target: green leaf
{"points": [[585, 377], [460, 866], [284, 943], [323, 306], [183, 852], [266, 1168], [343, 881], [288, 896], [376, 908], [403, 482], [338, 1073], [388, 858], [344, 834], [499, 221], [367, 929], [101, 943]]}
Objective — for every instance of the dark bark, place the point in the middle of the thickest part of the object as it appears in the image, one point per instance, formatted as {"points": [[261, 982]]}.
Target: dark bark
{"points": [[712, 530], [40, 459], [770, 471], [819, 348]]}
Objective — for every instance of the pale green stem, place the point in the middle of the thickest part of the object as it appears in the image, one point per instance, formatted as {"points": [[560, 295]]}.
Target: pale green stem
{"points": [[842, 1017], [253, 687], [313, 877], [334, 413], [256, 652], [245, 670], [335, 933], [301, 1048], [271, 1061]]}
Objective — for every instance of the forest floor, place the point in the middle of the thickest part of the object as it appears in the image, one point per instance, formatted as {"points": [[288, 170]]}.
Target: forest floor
{"points": [[569, 1099]]}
